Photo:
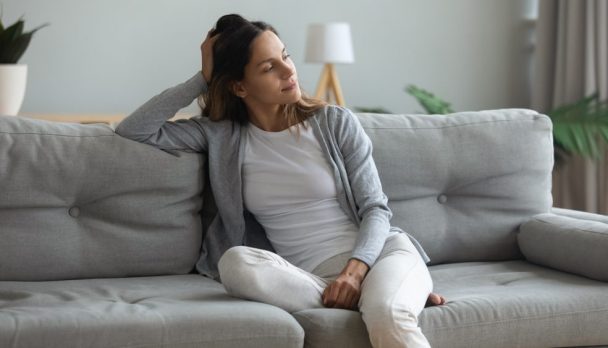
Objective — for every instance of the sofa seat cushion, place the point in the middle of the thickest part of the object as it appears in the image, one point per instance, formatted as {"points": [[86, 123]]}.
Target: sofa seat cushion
{"points": [[490, 304], [166, 311]]}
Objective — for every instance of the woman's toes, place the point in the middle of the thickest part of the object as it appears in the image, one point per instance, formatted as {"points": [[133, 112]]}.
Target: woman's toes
{"points": [[435, 300]]}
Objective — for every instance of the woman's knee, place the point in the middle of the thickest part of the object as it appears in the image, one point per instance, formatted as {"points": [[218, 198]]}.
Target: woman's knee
{"points": [[232, 258], [383, 308], [385, 319], [241, 271], [232, 266]]}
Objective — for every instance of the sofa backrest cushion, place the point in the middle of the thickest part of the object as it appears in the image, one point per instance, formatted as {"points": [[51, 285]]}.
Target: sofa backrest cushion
{"points": [[463, 183], [78, 201]]}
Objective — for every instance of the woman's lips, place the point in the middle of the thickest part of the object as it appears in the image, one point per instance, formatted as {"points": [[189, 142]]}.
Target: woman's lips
{"points": [[289, 87]]}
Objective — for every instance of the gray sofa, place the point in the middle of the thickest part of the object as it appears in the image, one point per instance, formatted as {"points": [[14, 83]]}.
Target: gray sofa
{"points": [[99, 236]]}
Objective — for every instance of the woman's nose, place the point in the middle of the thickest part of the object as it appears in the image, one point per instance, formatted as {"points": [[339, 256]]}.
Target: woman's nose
{"points": [[288, 71]]}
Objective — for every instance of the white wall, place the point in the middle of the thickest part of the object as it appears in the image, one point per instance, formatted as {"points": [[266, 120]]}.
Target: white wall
{"points": [[109, 56]]}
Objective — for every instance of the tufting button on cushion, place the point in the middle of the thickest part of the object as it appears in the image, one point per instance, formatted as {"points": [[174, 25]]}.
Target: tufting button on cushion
{"points": [[74, 212], [442, 199]]}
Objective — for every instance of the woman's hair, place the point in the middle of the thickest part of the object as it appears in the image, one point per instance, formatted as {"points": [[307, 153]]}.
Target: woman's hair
{"points": [[231, 53]]}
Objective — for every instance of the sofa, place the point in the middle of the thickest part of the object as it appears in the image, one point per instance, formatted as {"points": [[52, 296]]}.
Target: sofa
{"points": [[99, 236]]}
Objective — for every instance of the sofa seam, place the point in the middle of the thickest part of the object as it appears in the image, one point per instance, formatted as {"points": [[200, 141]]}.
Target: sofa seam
{"points": [[310, 319], [206, 341], [59, 135], [449, 126], [593, 216], [515, 319], [579, 229]]}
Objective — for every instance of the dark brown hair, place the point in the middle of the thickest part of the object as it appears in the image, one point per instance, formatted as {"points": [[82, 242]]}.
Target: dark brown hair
{"points": [[231, 53]]}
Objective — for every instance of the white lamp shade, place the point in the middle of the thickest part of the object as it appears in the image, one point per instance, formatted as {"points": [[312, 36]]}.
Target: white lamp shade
{"points": [[329, 43]]}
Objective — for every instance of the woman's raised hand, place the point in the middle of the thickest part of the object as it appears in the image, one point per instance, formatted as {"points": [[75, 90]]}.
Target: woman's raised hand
{"points": [[207, 56]]}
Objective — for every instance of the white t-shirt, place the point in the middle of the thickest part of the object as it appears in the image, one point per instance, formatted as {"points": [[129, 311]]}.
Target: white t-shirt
{"points": [[290, 189]]}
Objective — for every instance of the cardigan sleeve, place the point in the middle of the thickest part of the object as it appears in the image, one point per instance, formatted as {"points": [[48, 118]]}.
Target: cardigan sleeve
{"points": [[371, 203], [148, 124]]}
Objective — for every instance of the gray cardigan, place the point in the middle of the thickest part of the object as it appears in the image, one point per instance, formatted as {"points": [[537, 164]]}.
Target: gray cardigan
{"points": [[343, 141]]}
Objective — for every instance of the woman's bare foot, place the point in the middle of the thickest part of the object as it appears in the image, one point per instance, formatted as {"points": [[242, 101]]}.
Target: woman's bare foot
{"points": [[435, 300]]}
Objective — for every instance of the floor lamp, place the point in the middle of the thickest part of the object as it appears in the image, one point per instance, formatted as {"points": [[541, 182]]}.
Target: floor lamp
{"points": [[329, 43]]}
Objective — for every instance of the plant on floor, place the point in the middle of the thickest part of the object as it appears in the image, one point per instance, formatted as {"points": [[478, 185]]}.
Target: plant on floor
{"points": [[579, 128]]}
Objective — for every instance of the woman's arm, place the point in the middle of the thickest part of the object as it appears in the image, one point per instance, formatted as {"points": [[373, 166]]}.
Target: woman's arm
{"points": [[372, 210], [372, 204], [148, 124]]}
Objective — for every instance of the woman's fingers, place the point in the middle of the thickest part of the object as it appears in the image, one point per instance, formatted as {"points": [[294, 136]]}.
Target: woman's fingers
{"points": [[343, 298], [207, 55], [330, 295], [325, 296], [352, 301], [334, 292], [340, 295]]}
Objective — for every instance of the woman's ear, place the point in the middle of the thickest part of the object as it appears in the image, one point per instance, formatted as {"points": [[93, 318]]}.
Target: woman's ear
{"points": [[239, 90]]}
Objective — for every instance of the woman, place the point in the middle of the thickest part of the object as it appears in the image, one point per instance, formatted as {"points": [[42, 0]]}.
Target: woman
{"points": [[293, 175]]}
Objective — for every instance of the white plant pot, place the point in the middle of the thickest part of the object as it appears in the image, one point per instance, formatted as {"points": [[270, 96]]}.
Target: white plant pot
{"points": [[13, 78]]}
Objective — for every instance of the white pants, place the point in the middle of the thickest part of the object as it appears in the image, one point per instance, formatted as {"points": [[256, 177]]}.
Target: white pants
{"points": [[393, 293]]}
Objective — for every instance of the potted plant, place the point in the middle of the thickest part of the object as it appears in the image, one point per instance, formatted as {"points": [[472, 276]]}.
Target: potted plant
{"points": [[13, 43]]}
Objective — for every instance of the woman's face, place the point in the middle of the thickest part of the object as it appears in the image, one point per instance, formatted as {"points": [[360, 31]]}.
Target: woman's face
{"points": [[270, 76]]}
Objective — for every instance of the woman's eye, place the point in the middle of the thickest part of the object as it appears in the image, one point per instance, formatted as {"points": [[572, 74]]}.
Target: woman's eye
{"points": [[286, 56], [268, 68]]}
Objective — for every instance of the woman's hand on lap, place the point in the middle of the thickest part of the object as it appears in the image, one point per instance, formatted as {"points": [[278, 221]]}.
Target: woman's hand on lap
{"points": [[345, 291]]}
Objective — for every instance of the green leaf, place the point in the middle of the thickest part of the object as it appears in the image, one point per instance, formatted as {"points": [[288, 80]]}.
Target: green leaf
{"points": [[1, 12], [37, 28], [581, 126], [14, 42], [430, 103], [562, 137], [604, 133], [7, 41], [17, 50], [14, 30], [373, 110]]}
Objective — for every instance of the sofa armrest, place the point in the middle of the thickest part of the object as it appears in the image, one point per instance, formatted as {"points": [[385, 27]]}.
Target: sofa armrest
{"points": [[567, 244], [581, 215]]}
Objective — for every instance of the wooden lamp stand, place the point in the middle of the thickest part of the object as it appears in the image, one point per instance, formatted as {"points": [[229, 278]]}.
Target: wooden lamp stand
{"points": [[329, 84]]}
